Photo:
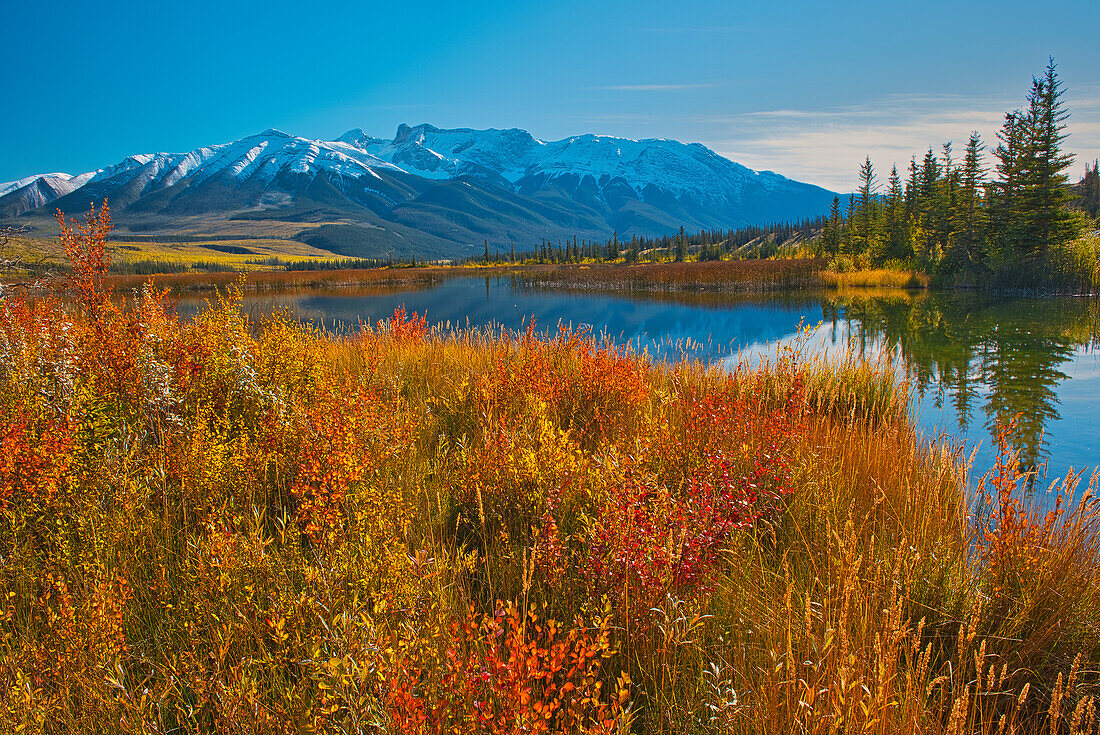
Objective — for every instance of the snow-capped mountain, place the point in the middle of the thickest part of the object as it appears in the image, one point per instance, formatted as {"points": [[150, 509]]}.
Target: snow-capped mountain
{"points": [[36, 191], [433, 189], [526, 163]]}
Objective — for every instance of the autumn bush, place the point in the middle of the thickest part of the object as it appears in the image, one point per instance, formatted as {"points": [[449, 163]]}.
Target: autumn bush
{"points": [[223, 524]]}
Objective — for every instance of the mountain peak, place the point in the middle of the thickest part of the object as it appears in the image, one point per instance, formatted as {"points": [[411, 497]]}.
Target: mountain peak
{"points": [[7, 186], [405, 131], [455, 185], [359, 139], [352, 134]]}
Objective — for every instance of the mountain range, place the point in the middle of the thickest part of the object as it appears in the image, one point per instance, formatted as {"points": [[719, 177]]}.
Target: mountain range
{"points": [[429, 191]]}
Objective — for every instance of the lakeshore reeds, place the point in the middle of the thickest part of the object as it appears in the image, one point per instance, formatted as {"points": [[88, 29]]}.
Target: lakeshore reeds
{"points": [[229, 525], [752, 276], [875, 278]]}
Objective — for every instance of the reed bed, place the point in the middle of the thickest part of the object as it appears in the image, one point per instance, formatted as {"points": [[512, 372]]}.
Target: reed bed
{"points": [[716, 275], [875, 278], [280, 280], [228, 525], [709, 277]]}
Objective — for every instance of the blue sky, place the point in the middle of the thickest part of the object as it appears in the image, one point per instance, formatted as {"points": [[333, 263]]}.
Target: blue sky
{"points": [[802, 88]]}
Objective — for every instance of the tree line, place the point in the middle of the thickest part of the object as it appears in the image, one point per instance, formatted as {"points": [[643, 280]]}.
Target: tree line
{"points": [[955, 219], [751, 241]]}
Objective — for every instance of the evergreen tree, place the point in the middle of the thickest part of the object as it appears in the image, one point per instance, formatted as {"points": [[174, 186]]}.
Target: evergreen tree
{"points": [[848, 234], [928, 210], [951, 217], [897, 230], [948, 198], [867, 187], [928, 177], [969, 215], [681, 246], [632, 251], [1005, 212], [831, 234], [1047, 220], [912, 191], [613, 246], [1090, 190]]}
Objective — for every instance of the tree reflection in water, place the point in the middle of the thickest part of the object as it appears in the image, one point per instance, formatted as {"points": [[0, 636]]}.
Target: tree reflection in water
{"points": [[1006, 355]]}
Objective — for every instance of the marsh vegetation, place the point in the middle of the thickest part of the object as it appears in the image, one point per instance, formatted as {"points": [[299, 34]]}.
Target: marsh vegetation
{"points": [[226, 524]]}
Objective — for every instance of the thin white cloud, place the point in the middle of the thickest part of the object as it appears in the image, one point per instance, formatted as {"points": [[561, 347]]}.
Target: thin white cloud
{"points": [[826, 147]]}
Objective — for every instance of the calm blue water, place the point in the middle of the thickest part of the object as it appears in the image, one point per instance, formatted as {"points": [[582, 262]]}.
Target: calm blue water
{"points": [[973, 361]]}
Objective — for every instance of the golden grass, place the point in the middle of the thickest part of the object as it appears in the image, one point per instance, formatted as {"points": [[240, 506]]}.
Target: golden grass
{"points": [[212, 251], [730, 275], [875, 278], [349, 279], [227, 526], [208, 252], [222, 525]]}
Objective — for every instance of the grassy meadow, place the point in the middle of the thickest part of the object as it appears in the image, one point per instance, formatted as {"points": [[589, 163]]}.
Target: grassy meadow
{"points": [[198, 244], [166, 256], [229, 525]]}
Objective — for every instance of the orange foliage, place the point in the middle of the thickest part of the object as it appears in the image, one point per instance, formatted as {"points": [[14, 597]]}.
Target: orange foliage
{"points": [[347, 434], [412, 329], [85, 246], [33, 462], [222, 525], [507, 673]]}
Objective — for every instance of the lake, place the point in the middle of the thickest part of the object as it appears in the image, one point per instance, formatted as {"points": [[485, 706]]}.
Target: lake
{"points": [[974, 361]]}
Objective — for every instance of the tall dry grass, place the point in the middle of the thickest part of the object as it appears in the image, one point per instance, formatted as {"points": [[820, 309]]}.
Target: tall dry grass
{"points": [[708, 277], [752, 276], [225, 525], [875, 278], [281, 280]]}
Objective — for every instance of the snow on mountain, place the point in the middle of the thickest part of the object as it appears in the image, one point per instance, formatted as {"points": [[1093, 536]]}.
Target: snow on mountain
{"points": [[513, 155], [442, 154], [13, 185], [443, 188], [516, 155], [37, 191], [264, 156], [258, 159]]}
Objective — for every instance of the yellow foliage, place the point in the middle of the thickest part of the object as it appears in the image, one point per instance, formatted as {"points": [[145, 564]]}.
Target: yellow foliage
{"points": [[222, 525]]}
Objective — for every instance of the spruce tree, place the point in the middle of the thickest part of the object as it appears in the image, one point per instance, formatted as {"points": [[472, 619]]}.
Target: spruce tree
{"points": [[612, 251], [848, 234], [1005, 213], [897, 239], [867, 187], [929, 208], [831, 235], [948, 196], [1047, 220], [970, 224], [1090, 189], [912, 191]]}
